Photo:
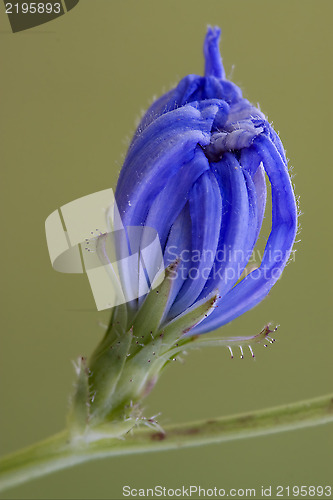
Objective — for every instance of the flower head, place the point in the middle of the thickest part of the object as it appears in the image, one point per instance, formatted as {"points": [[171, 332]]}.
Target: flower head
{"points": [[195, 175], [195, 172]]}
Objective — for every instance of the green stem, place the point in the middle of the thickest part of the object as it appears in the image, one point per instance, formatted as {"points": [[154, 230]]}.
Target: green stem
{"points": [[58, 452]]}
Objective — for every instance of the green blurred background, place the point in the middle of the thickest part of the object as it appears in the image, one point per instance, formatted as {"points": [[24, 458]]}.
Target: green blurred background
{"points": [[71, 91]]}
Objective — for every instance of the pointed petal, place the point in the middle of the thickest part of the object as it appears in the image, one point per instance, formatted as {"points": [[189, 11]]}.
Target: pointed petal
{"points": [[213, 60]]}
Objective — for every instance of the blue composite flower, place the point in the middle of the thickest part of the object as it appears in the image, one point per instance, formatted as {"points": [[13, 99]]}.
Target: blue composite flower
{"points": [[196, 172]]}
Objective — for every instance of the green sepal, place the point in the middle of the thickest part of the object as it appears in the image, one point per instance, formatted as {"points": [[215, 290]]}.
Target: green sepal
{"points": [[152, 311], [140, 372], [117, 327], [126, 364], [78, 415], [183, 323], [119, 319], [105, 372], [116, 429]]}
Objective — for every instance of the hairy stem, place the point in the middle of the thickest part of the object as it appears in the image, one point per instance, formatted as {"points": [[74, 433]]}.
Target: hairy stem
{"points": [[59, 451]]}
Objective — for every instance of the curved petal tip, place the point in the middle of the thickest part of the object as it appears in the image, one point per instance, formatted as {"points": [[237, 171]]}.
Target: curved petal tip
{"points": [[213, 60]]}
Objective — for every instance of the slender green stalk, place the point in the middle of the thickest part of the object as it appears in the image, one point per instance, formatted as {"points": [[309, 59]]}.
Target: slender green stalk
{"points": [[59, 452]]}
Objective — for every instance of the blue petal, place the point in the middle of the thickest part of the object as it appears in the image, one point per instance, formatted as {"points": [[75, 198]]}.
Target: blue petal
{"points": [[179, 247], [162, 105], [250, 162], [232, 254], [158, 153], [171, 200], [206, 212], [252, 289], [243, 110], [254, 223], [213, 61], [169, 203], [185, 92], [241, 136], [195, 88], [259, 182], [191, 88]]}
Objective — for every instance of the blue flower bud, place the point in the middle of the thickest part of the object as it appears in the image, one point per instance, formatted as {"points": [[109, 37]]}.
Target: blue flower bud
{"points": [[195, 172]]}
